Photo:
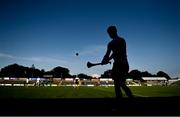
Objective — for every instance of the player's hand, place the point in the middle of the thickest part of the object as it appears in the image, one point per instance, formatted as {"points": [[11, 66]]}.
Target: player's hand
{"points": [[104, 62]]}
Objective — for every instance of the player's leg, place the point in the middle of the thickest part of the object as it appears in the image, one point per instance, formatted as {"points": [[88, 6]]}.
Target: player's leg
{"points": [[117, 88], [125, 87], [115, 77]]}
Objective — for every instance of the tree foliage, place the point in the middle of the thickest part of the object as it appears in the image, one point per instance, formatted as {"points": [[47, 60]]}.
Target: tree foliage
{"points": [[16, 70], [60, 72], [107, 74], [135, 74], [82, 76], [163, 74]]}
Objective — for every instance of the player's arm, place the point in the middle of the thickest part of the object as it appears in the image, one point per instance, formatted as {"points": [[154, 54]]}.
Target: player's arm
{"points": [[107, 56]]}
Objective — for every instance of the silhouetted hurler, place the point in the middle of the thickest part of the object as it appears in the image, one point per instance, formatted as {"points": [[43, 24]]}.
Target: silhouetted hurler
{"points": [[120, 69]]}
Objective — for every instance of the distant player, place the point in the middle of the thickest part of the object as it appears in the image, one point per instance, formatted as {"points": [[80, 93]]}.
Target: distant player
{"points": [[107, 83], [38, 82], [27, 81], [77, 82]]}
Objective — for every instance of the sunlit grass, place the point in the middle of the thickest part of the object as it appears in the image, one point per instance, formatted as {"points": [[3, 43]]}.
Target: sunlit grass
{"points": [[84, 92]]}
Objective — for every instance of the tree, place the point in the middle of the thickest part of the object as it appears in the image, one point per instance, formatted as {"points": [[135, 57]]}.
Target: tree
{"points": [[135, 75], [13, 70], [146, 74], [82, 76], [42, 72], [16, 70], [0, 73], [61, 72], [163, 74], [107, 74]]}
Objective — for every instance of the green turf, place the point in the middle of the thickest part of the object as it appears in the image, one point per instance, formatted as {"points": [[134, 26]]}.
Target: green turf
{"points": [[83, 92]]}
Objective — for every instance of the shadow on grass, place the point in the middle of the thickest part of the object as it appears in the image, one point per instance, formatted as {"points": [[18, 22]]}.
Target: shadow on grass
{"points": [[91, 106]]}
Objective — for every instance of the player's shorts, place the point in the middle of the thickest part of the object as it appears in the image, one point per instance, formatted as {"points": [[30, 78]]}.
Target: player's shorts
{"points": [[120, 71]]}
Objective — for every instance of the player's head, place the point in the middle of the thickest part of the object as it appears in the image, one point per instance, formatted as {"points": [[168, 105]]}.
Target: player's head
{"points": [[112, 31]]}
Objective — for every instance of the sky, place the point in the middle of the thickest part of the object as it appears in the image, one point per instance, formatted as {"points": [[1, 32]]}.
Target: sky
{"points": [[49, 33]]}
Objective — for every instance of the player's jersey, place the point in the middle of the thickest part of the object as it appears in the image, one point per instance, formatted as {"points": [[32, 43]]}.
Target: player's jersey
{"points": [[118, 46], [77, 81]]}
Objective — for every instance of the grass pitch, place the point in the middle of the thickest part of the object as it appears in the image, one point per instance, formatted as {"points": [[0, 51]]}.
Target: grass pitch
{"points": [[84, 92]]}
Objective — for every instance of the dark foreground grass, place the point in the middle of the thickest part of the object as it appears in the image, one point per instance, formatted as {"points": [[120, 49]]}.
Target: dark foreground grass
{"points": [[156, 91], [43, 101], [84, 92], [139, 106]]}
